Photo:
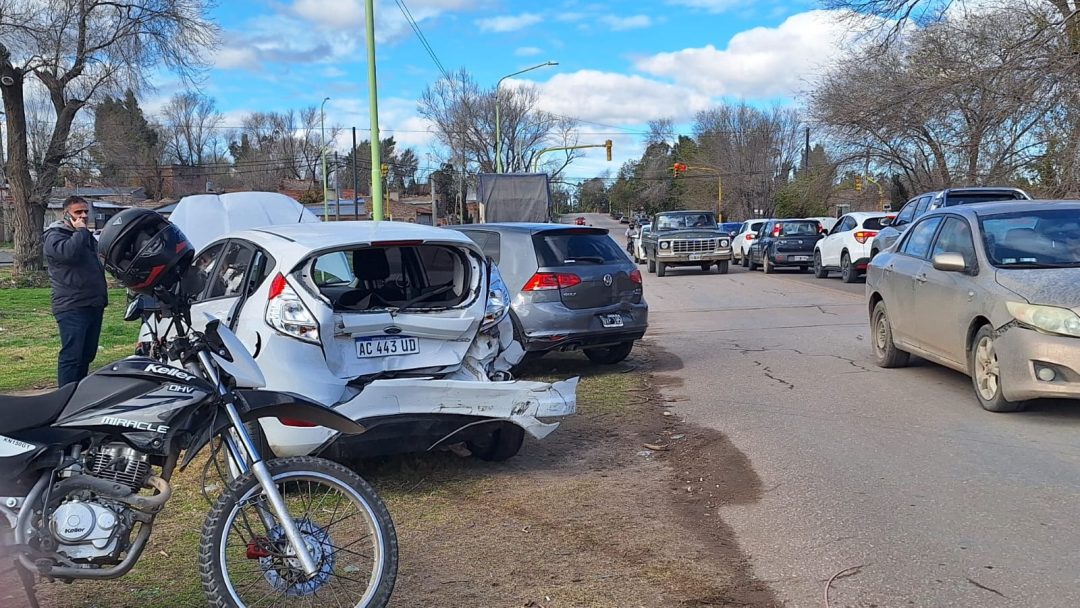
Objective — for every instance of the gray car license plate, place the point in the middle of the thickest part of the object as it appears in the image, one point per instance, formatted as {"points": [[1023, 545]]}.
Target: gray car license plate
{"points": [[611, 320], [386, 346]]}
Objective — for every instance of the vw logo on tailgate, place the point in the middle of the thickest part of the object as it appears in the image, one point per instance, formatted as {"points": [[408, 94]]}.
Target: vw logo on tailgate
{"points": [[607, 280]]}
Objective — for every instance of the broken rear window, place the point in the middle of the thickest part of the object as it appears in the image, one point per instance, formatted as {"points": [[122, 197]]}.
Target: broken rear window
{"points": [[397, 277]]}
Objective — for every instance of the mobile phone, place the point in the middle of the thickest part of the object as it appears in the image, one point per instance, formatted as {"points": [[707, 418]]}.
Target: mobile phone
{"points": [[69, 218]]}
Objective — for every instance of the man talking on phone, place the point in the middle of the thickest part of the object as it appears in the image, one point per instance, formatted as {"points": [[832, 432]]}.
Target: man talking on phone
{"points": [[79, 293]]}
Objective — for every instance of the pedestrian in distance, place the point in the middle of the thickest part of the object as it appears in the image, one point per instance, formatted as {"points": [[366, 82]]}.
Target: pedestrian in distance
{"points": [[79, 292]]}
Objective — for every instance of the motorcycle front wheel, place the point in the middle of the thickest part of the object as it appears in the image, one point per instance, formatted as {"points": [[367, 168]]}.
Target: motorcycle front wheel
{"points": [[246, 560]]}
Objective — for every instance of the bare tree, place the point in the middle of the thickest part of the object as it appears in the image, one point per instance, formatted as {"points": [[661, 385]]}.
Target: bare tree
{"points": [[191, 123], [80, 50], [754, 151], [946, 108], [464, 117]]}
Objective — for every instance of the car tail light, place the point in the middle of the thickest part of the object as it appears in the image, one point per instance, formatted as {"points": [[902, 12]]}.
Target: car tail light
{"points": [[750, 236], [542, 281], [776, 230], [864, 235], [296, 422], [635, 276], [286, 312]]}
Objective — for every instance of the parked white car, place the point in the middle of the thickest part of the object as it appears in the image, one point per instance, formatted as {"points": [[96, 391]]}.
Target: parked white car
{"points": [[401, 327], [827, 223], [846, 248], [740, 243], [639, 250]]}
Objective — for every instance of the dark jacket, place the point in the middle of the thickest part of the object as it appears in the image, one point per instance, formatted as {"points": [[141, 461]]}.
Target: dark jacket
{"points": [[75, 271]]}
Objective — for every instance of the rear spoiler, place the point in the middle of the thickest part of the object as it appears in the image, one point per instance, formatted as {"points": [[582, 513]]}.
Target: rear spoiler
{"points": [[571, 230]]}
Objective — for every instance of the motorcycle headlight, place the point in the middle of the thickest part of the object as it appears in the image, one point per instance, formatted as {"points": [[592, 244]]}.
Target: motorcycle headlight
{"points": [[665, 244], [498, 303], [1051, 319]]}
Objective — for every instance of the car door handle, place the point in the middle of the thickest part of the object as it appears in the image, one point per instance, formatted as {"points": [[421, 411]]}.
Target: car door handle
{"points": [[921, 278]]}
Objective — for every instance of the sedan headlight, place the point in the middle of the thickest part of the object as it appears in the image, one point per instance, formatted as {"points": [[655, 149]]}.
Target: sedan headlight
{"points": [[1050, 319], [498, 303], [665, 244]]}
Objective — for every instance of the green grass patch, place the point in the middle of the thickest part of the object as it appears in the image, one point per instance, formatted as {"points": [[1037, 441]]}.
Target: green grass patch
{"points": [[30, 339]]}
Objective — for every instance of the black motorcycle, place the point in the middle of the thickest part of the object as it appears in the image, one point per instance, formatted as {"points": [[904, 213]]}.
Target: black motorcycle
{"points": [[85, 471]]}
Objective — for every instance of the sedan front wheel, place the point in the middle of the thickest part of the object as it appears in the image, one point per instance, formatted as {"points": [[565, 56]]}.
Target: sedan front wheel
{"points": [[986, 374]]}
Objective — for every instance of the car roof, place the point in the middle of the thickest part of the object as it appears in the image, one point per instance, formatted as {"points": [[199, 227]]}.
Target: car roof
{"points": [[527, 227], [994, 208], [676, 211], [324, 235], [862, 215]]}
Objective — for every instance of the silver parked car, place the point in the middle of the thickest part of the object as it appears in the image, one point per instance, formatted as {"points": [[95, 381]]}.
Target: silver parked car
{"points": [[990, 289], [571, 288]]}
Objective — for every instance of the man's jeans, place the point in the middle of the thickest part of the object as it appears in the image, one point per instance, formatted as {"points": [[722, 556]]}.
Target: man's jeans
{"points": [[79, 332]]}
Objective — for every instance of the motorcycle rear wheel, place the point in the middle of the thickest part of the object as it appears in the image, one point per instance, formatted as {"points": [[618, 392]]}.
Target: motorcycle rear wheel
{"points": [[345, 524]]}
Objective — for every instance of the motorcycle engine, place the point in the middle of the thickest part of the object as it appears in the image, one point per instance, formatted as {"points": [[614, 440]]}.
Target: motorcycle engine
{"points": [[88, 528]]}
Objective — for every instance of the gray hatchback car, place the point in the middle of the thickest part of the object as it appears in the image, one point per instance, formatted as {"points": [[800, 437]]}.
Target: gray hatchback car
{"points": [[572, 288]]}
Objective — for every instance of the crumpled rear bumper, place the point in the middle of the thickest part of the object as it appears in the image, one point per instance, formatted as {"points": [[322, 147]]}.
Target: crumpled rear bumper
{"points": [[526, 404]]}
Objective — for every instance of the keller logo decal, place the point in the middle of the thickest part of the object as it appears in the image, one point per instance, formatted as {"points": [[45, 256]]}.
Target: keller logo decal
{"points": [[165, 370]]}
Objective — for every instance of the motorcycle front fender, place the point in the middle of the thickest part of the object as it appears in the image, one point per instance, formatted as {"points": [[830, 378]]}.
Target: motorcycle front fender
{"points": [[255, 404]]}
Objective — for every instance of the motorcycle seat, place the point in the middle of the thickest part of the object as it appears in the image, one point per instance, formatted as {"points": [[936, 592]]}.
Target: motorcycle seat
{"points": [[21, 413]]}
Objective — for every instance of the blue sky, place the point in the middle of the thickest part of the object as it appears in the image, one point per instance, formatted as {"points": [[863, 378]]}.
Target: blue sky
{"points": [[621, 63]]}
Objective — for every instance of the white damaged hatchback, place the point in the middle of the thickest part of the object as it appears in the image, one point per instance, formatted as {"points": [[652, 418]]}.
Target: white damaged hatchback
{"points": [[401, 327]]}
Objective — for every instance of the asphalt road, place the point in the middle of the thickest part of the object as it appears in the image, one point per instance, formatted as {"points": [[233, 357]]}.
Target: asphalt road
{"points": [[897, 471]]}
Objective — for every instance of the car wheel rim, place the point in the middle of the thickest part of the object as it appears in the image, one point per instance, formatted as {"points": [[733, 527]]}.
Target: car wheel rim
{"points": [[881, 336], [987, 370]]}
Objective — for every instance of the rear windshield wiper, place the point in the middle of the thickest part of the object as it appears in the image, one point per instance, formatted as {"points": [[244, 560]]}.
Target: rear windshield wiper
{"points": [[420, 298], [595, 259]]}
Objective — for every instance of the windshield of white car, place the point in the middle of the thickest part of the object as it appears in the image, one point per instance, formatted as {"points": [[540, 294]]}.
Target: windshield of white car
{"points": [[393, 277], [799, 228], [682, 221], [1046, 238]]}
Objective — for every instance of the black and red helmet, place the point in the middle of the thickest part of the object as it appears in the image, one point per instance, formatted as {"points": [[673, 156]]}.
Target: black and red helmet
{"points": [[144, 251]]}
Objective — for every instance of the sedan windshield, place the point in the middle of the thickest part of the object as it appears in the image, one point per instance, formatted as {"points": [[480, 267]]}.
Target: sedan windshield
{"points": [[1045, 238], [686, 220]]}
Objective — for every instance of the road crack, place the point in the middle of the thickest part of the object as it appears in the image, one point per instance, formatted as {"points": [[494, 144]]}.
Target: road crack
{"points": [[985, 588]]}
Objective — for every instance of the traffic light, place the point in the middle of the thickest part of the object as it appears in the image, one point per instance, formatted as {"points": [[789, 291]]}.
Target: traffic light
{"points": [[678, 169], [607, 145], [385, 169], [858, 183]]}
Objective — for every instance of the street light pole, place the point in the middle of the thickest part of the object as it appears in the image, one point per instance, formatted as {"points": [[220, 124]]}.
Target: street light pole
{"points": [[322, 154], [498, 125], [373, 108]]}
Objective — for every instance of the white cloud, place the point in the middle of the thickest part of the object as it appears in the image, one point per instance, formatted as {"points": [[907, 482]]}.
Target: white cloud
{"points": [[618, 99], [712, 6], [231, 58], [626, 23], [330, 13], [527, 51], [508, 23], [333, 72], [761, 62]]}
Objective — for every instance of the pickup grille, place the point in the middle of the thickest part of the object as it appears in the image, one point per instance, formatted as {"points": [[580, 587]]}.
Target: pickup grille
{"points": [[693, 245]]}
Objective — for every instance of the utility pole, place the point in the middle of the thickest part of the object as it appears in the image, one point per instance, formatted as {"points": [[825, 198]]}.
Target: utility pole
{"points": [[337, 191], [806, 154], [355, 180], [373, 103]]}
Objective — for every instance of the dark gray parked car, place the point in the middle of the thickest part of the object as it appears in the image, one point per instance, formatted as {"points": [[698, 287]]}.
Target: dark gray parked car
{"points": [[920, 205], [572, 288]]}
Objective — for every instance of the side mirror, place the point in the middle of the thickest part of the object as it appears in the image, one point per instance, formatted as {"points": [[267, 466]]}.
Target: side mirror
{"points": [[950, 262], [886, 221]]}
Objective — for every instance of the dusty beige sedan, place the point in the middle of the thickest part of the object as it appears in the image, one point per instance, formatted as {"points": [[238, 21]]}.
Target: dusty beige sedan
{"points": [[989, 289]]}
